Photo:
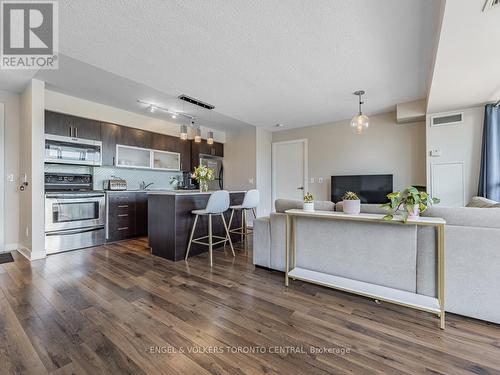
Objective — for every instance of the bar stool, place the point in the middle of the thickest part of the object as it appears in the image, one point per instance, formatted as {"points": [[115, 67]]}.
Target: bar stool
{"points": [[218, 203], [250, 202]]}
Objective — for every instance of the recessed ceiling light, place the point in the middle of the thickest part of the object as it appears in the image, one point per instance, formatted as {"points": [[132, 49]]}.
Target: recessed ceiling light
{"points": [[174, 115], [152, 108]]}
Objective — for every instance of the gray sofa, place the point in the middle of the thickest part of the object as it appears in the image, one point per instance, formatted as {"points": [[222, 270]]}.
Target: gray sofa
{"points": [[403, 259]]}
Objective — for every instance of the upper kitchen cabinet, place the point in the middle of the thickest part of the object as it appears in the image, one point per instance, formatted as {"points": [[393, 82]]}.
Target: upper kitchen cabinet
{"points": [[164, 142], [113, 135], [72, 126], [217, 149]]}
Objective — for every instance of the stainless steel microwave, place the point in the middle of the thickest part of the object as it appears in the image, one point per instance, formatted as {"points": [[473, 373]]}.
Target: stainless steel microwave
{"points": [[67, 150]]}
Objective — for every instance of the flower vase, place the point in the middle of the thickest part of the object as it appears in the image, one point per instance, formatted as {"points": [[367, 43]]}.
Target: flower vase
{"points": [[203, 186]]}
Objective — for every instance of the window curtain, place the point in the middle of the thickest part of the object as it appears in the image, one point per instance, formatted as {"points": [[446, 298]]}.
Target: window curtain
{"points": [[489, 179]]}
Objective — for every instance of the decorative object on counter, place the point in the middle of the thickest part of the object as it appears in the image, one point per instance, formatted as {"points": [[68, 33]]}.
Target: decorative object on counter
{"points": [[360, 122], [210, 138], [203, 175], [411, 200], [308, 202], [351, 204], [144, 186]]}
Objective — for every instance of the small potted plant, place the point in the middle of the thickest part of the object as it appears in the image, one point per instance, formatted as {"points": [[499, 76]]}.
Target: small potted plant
{"points": [[411, 201], [351, 204], [308, 202], [203, 175]]}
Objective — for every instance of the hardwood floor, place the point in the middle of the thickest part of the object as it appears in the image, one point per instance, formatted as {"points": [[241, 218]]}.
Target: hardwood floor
{"points": [[117, 309]]}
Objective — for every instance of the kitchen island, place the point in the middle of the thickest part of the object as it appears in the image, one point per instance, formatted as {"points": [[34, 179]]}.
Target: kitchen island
{"points": [[170, 221]]}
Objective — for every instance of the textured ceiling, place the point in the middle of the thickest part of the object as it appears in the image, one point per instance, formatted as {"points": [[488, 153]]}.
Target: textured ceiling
{"points": [[261, 62], [467, 68]]}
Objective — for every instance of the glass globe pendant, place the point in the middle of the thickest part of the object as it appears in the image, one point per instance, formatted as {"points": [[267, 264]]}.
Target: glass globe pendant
{"points": [[360, 122]]}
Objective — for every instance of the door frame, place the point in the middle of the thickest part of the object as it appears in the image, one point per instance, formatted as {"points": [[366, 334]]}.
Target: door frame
{"points": [[304, 141]]}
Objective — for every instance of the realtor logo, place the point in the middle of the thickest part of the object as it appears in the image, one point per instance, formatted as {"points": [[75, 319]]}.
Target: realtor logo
{"points": [[29, 35]]}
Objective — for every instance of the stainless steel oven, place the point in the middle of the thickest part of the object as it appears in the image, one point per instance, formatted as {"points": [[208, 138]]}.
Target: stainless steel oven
{"points": [[74, 219], [67, 150]]}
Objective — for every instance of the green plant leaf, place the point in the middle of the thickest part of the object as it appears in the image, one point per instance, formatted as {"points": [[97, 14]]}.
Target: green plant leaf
{"points": [[388, 217]]}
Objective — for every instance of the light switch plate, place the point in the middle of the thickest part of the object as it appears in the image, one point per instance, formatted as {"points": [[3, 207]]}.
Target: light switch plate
{"points": [[312, 180], [10, 178], [320, 180], [250, 180]]}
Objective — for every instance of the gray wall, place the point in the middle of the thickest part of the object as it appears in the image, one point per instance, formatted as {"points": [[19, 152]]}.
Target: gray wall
{"points": [[385, 147]]}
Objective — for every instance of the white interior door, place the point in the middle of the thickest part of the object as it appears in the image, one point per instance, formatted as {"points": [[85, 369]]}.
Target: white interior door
{"points": [[289, 169]]}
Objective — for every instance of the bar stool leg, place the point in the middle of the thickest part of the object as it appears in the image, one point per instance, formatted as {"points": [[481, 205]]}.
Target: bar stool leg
{"points": [[230, 222], [228, 234], [210, 239], [243, 225], [254, 213], [191, 237]]}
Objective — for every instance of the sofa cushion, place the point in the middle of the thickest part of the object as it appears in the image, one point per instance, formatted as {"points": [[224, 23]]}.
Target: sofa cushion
{"points": [[281, 205], [467, 216], [482, 202]]}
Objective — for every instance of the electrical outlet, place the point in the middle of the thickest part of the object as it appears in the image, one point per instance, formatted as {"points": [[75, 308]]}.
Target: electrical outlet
{"points": [[10, 178], [250, 180], [436, 152], [320, 180], [312, 180]]}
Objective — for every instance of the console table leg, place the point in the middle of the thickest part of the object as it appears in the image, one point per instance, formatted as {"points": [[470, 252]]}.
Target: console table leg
{"points": [[286, 250]]}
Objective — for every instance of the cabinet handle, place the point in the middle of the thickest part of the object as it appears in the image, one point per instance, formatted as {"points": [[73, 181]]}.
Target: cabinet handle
{"points": [[123, 228], [123, 206], [122, 215], [76, 132], [71, 132]]}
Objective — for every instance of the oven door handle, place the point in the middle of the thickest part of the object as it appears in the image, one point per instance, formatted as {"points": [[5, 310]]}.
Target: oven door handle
{"points": [[76, 196], [73, 231]]}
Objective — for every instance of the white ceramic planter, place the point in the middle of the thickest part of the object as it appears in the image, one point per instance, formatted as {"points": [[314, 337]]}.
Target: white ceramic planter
{"points": [[415, 214], [309, 206], [351, 207]]}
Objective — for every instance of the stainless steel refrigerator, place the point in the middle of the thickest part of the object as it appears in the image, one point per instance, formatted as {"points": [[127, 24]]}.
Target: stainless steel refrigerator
{"points": [[215, 163]]}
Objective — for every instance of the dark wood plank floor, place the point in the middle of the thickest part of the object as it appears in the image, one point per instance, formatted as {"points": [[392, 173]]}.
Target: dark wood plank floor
{"points": [[116, 309]]}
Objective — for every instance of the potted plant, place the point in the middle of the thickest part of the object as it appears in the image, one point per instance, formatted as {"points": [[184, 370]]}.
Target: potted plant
{"points": [[308, 202], [351, 204], [203, 175], [411, 201]]}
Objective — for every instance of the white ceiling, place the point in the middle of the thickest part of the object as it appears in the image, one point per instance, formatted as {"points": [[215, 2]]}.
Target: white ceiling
{"points": [[467, 67], [261, 62]]}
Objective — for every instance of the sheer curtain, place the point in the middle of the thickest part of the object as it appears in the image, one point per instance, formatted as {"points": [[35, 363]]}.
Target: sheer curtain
{"points": [[489, 179]]}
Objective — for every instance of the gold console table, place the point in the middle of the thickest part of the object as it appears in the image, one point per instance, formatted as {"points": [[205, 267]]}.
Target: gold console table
{"points": [[392, 295]]}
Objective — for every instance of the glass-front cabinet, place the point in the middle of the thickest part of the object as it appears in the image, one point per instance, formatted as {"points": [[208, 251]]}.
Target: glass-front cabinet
{"points": [[166, 160], [136, 157]]}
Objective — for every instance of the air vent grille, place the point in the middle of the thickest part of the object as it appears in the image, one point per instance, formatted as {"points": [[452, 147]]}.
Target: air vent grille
{"points": [[197, 102], [450, 119]]}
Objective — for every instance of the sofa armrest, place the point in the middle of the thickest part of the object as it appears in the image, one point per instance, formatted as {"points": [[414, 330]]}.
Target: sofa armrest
{"points": [[262, 242]]}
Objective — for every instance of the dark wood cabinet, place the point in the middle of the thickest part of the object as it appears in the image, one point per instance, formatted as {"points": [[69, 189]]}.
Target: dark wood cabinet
{"points": [[127, 215], [217, 149], [72, 126], [141, 214], [110, 133]]}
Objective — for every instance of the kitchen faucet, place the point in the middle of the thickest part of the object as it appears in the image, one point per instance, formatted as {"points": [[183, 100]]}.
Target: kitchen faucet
{"points": [[144, 186]]}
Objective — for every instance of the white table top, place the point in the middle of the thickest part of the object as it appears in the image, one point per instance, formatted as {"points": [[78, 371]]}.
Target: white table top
{"points": [[423, 220]]}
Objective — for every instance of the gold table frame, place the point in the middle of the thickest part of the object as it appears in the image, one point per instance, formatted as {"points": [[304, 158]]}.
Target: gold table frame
{"points": [[438, 223]]}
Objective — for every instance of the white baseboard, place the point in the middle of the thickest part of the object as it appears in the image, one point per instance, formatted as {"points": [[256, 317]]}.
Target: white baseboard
{"points": [[8, 248], [28, 254]]}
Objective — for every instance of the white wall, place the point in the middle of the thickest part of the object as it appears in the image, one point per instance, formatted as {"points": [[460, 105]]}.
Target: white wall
{"points": [[263, 170], [31, 227], [385, 147], [11, 167], [458, 144], [58, 102]]}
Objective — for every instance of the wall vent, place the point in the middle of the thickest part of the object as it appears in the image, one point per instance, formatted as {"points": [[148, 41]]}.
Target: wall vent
{"points": [[197, 102], [491, 4], [448, 119]]}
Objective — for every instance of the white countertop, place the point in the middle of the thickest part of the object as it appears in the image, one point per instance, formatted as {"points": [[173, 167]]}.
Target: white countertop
{"points": [[186, 192]]}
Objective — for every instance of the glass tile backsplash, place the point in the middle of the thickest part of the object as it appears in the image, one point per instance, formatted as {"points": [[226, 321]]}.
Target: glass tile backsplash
{"points": [[160, 179]]}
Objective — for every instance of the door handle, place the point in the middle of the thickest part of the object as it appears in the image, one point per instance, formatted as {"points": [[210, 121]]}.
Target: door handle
{"points": [[300, 188]]}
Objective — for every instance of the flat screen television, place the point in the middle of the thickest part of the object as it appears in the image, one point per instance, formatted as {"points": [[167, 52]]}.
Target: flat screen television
{"points": [[369, 188]]}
